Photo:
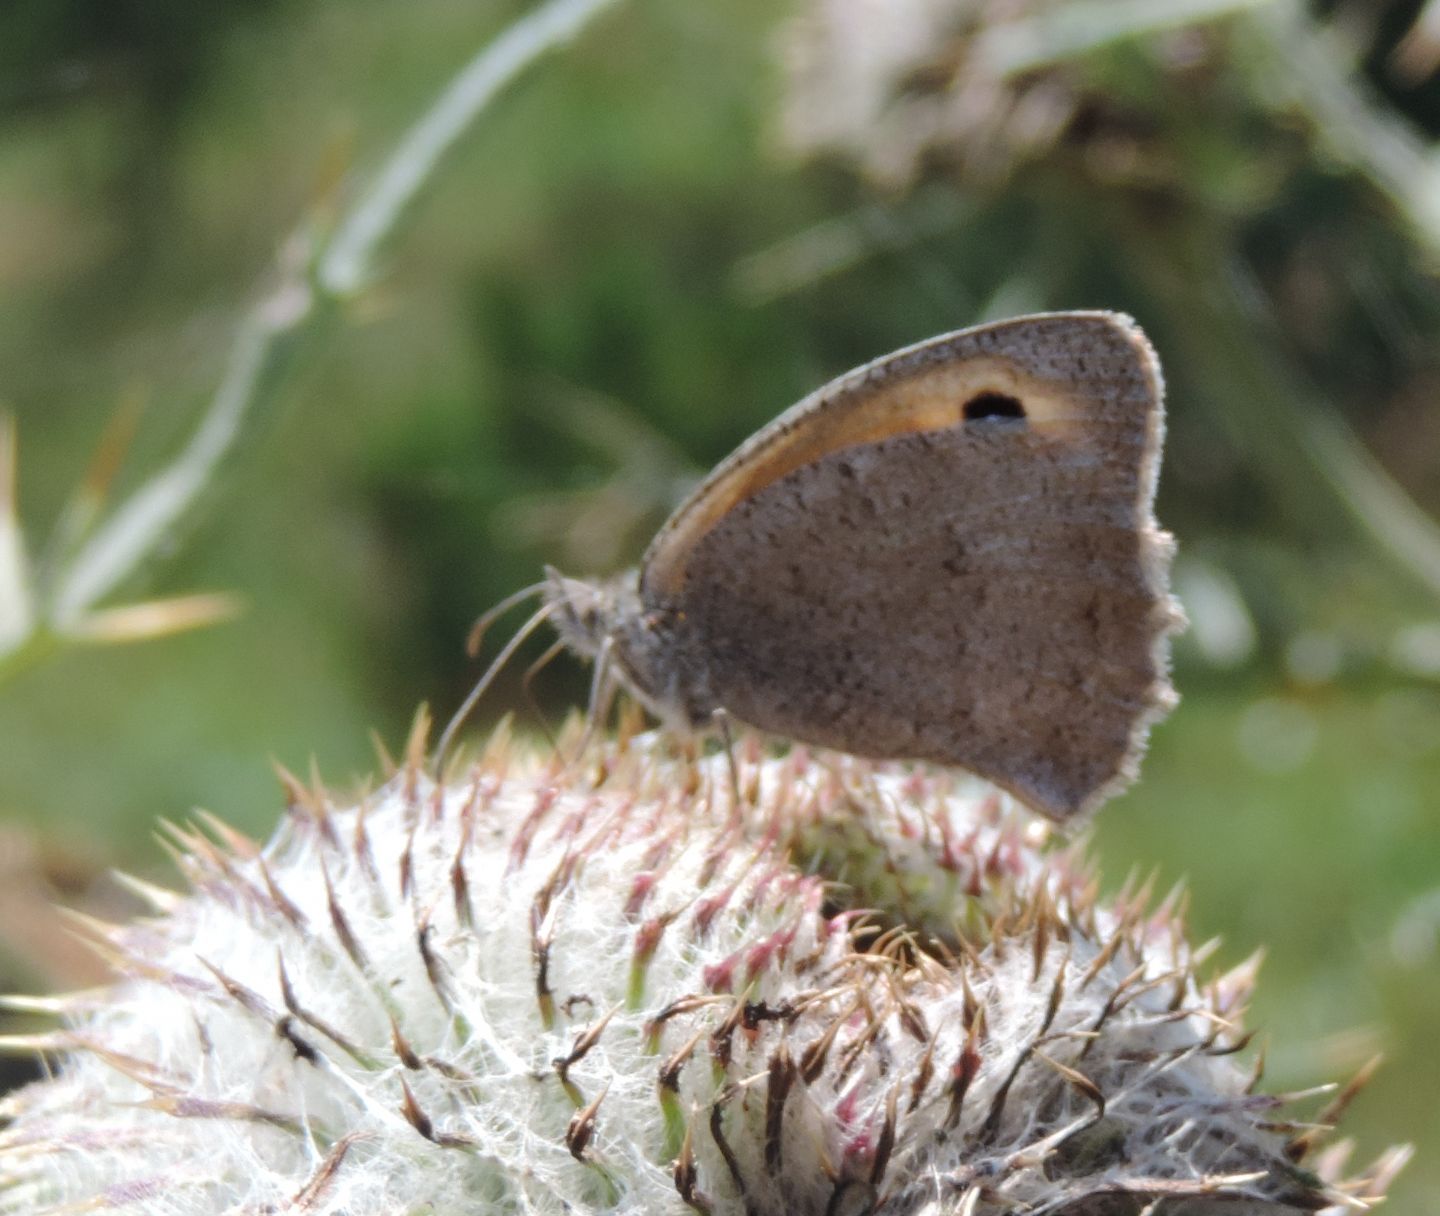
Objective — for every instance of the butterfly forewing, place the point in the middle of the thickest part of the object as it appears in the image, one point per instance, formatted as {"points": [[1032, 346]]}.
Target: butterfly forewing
{"points": [[948, 555]]}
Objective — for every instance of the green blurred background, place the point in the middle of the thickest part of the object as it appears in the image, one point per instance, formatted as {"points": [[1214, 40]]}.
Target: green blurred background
{"points": [[656, 240]]}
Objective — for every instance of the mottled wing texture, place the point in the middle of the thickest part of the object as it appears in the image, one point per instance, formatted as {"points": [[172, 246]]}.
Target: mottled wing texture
{"points": [[901, 567]]}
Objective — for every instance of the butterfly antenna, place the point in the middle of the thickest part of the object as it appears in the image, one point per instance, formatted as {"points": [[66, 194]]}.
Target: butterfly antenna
{"points": [[527, 682], [478, 630], [447, 739]]}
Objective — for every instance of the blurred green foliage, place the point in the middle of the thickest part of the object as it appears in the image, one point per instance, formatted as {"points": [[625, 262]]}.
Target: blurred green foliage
{"points": [[623, 276]]}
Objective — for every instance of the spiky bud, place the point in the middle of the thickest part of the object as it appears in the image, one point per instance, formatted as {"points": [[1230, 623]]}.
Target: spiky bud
{"points": [[838, 988]]}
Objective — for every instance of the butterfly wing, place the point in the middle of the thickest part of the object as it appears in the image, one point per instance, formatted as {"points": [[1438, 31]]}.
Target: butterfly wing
{"points": [[949, 554]]}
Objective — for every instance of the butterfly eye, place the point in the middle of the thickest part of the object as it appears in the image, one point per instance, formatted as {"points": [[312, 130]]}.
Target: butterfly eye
{"points": [[993, 405]]}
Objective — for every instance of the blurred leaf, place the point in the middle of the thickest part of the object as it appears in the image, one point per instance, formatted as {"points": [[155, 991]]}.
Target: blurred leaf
{"points": [[16, 607], [154, 618]]}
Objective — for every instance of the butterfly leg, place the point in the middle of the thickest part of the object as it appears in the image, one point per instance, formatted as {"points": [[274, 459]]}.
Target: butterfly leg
{"points": [[603, 687], [527, 689], [721, 719]]}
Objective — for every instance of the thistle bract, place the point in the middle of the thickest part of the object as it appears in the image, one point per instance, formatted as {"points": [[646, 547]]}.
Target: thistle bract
{"points": [[643, 987]]}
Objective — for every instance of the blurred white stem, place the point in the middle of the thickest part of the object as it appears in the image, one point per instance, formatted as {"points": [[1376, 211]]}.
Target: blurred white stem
{"points": [[349, 258], [1308, 71], [142, 522], [1063, 32], [1381, 505], [342, 264], [16, 610]]}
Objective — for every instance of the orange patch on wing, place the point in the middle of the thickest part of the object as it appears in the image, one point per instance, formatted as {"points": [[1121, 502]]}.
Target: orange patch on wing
{"points": [[930, 399]]}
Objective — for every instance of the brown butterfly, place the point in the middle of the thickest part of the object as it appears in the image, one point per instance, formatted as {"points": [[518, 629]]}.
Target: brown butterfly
{"points": [[948, 554]]}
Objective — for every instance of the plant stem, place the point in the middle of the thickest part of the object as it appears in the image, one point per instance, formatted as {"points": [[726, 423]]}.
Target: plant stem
{"points": [[1065, 32], [315, 276], [1307, 71], [349, 257]]}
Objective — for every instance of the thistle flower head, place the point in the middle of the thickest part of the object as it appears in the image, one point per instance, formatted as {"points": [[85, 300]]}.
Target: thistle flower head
{"points": [[837, 988]]}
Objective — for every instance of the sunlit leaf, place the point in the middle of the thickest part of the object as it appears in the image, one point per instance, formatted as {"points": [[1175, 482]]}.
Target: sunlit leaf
{"points": [[155, 618]]}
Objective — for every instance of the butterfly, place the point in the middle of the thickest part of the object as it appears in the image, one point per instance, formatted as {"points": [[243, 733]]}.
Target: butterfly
{"points": [[948, 554]]}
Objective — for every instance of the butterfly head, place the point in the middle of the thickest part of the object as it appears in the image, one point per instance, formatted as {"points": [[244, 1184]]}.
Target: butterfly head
{"points": [[647, 650], [586, 614]]}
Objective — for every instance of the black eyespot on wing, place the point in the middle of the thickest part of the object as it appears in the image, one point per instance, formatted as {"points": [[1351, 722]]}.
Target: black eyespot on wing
{"points": [[993, 405]]}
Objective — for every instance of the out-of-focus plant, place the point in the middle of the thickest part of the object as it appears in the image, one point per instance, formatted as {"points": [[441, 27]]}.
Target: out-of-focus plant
{"points": [[599, 527], [63, 596], [1165, 138], [62, 599]]}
